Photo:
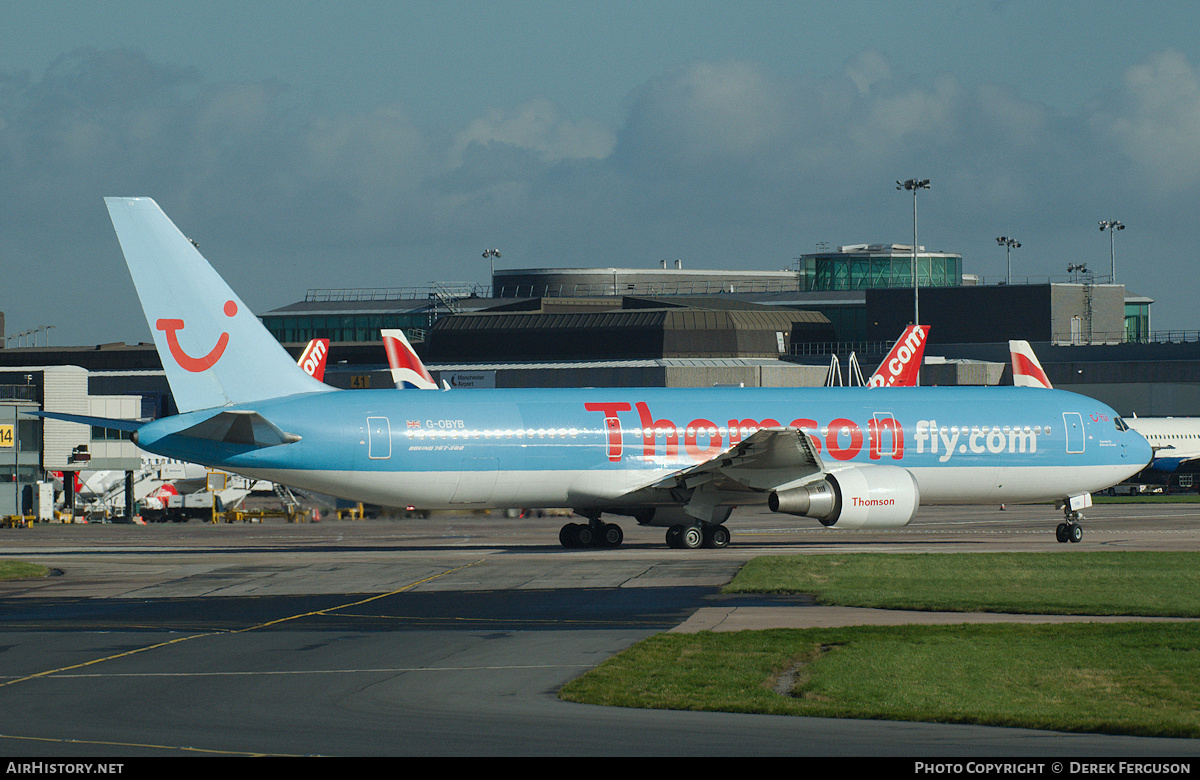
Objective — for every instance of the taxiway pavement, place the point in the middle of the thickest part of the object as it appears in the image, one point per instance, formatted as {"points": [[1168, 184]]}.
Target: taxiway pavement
{"points": [[449, 636]]}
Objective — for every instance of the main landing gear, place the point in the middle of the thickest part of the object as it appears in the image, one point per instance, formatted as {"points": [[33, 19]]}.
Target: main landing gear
{"points": [[591, 534], [596, 533], [1069, 531], [689, 537]]}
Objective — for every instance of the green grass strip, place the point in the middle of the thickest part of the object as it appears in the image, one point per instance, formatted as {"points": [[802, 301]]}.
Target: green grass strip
{"points": [[1132, 678], [1150, 498], [1162, 584], [1126, 678], [19, 570]]}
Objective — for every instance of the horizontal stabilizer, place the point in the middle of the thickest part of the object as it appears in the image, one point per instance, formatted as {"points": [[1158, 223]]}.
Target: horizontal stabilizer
{"points": [[240, 427], [98, 422]]}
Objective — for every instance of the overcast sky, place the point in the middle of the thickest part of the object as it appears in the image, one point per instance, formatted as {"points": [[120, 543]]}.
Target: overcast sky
{"points": [[387, 144]]}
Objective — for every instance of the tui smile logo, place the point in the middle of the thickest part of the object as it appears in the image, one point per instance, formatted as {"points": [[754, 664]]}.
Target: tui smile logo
{"points": [[186, 361]]}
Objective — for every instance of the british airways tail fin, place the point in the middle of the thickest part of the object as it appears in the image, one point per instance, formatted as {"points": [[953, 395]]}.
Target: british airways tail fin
{"points": [[214, 351], [902, 365], [407, 368], [1027, 371]]}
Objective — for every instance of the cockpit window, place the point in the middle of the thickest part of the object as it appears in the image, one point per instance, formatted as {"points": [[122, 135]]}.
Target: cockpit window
{"points": [[1121, 426]]}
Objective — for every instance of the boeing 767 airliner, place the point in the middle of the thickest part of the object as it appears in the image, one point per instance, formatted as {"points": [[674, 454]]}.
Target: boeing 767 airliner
{"points": [[853, 458]]}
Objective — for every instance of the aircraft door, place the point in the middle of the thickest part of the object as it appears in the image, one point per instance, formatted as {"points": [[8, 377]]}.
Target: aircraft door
{"points": [[379, 438], [1073, 423], [885, 435]]}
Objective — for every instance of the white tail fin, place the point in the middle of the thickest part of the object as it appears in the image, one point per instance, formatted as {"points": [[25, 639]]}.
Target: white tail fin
{"points": [[407, 368], [1027, 371], [312, 359], [902, 365], [214, 351]]}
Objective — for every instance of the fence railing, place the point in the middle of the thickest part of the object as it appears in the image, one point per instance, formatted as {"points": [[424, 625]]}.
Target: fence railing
{"points": [[839, 348], [457, 289], [18, 393], [1121, 337], [471, 290]]}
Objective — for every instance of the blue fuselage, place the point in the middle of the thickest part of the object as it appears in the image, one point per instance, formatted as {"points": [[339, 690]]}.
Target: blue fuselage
{"points": [[592, 446]]}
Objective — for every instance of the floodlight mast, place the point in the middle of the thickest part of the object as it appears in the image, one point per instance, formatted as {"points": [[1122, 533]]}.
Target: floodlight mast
{"points": [[915, 185], [491, 255], [1110, 225], [1009, 244]]}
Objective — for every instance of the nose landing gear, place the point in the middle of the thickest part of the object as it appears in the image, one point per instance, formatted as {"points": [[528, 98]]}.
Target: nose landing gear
{"points": [[1069, 531]]}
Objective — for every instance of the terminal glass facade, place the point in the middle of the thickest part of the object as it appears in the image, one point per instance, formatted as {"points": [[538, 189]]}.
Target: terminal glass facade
{"points": [[297, 328], [864, 270]]}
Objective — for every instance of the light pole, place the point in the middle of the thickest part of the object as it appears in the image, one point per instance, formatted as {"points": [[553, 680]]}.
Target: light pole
{"points": [[1110, 225], [491, 255], [914, 185], [1009, 244]]}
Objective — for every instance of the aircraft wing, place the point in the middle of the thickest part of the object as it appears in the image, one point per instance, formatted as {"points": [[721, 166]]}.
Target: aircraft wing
{"points": [[768, 459], [1167, 464]]}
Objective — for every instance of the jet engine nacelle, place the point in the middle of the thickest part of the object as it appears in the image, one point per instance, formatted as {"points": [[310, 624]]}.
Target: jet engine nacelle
{"points": [[861, 497]]}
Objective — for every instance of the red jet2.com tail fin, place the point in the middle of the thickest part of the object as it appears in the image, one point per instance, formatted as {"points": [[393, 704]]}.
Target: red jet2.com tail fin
{"points": [[1027, 370], [902, 365], [312, 359]]}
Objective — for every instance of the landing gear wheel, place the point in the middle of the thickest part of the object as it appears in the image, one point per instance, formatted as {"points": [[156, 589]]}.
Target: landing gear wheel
{"points": [[716, 536], [1070, 531], [576, 535], [584, 535], [673, 536], [591, 535], [611, 535], [691, 537]]}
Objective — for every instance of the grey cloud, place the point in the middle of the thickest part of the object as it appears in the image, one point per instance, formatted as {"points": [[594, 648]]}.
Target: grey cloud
{"points": [[722, 162], [1153, 119]]}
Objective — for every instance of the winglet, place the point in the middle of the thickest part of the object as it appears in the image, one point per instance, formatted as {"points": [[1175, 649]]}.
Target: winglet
{"points": [[407, 368], [214, 351], [1027, 371]]}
